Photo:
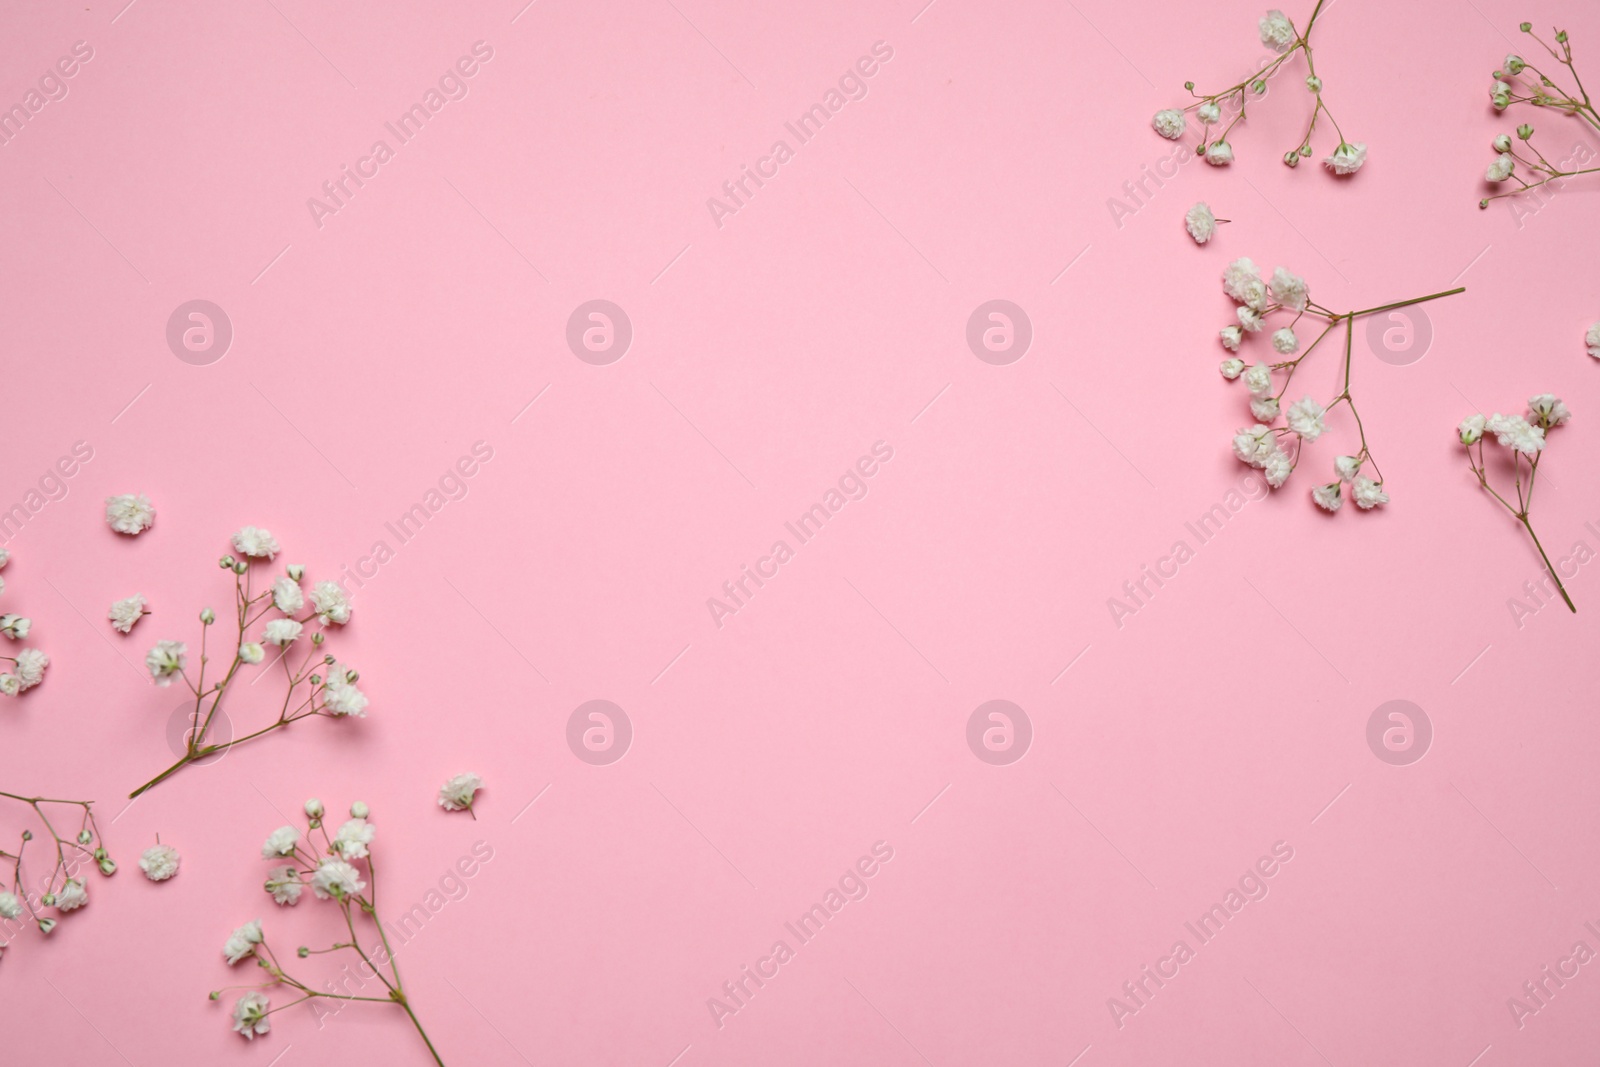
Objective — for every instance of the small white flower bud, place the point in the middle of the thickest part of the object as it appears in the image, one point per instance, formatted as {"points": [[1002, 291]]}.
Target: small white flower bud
{"points": [[84, 837], [360, 810], [1524, 131], [1314, 83], [1502, 143], [296, 571], [314, 808], [208, 616], [251, 652]]}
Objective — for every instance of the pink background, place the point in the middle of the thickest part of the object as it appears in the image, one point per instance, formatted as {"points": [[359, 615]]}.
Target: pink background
{"points": [[768, 354]]}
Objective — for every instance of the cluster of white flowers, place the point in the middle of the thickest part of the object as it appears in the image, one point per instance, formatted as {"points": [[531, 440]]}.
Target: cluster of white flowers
{"points": [[333, 694], [329, 867], [27, 666], [1276, 450], [1525, 438], [1519, 81], [459, 792], [1278, 33], [130, 513]]}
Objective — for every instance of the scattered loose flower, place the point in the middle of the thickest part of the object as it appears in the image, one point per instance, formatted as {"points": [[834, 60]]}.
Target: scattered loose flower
{"points": [[459, 792], [130, 513], [1525, 438], [1201, 223], [124, 613], [159, 862]]}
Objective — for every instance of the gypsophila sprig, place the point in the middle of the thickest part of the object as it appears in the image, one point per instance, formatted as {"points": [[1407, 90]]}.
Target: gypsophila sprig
{"points": [[314, 682], [1277, 450], [68, 852], [1279, 34], [329, 865], [1524, 437], [1522, 81]]}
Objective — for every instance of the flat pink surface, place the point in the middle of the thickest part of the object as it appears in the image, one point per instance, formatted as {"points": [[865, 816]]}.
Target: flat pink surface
{"points": [[769, 353]]}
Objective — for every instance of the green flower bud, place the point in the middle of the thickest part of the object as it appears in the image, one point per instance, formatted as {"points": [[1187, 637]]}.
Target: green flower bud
{"points": [[1524, 131], [1526, 27], [1314, 83], [226, 563], [303, 952], [84, 837]]}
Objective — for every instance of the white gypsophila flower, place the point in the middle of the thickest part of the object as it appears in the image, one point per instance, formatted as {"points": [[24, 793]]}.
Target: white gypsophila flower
{"points": [[353, 838], [1200, 222], [1367, 493], [1547, 410], [287, 596], [1264, 408], [1591, 338], [330, 603], [1284, 341], [255, 542], [1219, 153], [359, 809], [159, 862], [1251, 444], [1208, 113], [1232, 368], [5, 557], [242, 942], [280, 842], [1249, 318], [1258, 379], [10, 906], [1169, 123], [10, 684], [165, 660], [73, 895], [457, 794], [1328, 497], [1502, 143], [1231, 336], [1277, 32], [30, 667], [1515, 432], [335, 878], [1501, 168], [1305, 417], [252, 653], [130, 513], [124, 613], [1346, 467], [284, 884], [314, 808], [281, 631], [1239, 279], [1471, 429], [250, 1015], [1289, 289], [15, 627], [340, 695], [1347, 158], [1277, 467]]}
